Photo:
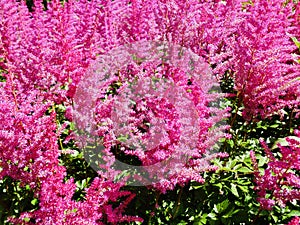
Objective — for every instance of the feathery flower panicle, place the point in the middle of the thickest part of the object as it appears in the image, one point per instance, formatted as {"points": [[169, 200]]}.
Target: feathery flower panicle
{"points": [[294, 221], [281, 179], [265, 72], [48, 50], [28, 139], [43, 56]]}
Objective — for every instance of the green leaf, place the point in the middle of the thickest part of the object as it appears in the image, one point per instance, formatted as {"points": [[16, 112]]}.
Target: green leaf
{"points": [[274, 125], [182, 223], [234, 190], [217, 163], [74, 210], [297, 43], [237, 167], [26, 219], [219, 185], [34, 201], [230, 212], [294, 213], [122, 138], [261, 126], [244, 188], [244, 170], [262, 161], [221, 207], [201, 220], [274, 217], [212, 215], [231, 163]]}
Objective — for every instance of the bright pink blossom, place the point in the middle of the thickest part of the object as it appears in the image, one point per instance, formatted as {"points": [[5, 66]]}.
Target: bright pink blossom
{"points": [[280, 179]]}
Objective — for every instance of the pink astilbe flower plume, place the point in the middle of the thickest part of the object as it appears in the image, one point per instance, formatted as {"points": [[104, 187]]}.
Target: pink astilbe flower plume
{"points": [[265, 72], [294, 221], [280, 180]]}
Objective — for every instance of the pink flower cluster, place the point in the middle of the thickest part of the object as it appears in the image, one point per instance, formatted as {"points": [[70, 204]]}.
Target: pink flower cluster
{"points": [[29, 153], [41, 60], [266, 73], [160, 114], [56, 205], [280, 181], [294, 221]]}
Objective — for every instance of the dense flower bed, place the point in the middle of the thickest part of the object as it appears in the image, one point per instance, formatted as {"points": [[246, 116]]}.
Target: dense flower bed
{"points": [[239, 147]]}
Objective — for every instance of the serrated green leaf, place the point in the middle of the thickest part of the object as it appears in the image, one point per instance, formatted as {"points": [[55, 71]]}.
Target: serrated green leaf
{"points": [[234, 190], [26, 219], [34, 201], [262, 161], [244, 170]]}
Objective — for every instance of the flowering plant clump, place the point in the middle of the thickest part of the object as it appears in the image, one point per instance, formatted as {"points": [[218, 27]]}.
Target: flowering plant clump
{"points": [[35, 80], [30, 153], [159, 114], [280, 181], [111, 112], [266, 75]]}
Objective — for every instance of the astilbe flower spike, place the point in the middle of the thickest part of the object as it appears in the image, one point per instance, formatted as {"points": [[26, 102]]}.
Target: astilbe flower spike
{"points": [[279, 180], [294, 221], [264, 70], [27, 136], [236, 38], [48, 50]]}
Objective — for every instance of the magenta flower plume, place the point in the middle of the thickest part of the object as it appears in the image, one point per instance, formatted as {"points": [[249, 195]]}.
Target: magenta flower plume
{"points": [[280, 181]]}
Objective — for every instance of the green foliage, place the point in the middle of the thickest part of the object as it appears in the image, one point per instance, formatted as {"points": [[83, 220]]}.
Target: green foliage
{"points": [[15, 198]]}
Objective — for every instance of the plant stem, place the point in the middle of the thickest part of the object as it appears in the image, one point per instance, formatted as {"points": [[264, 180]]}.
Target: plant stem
{"points": [[257, 216], [177, 203], [154, 207]]}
